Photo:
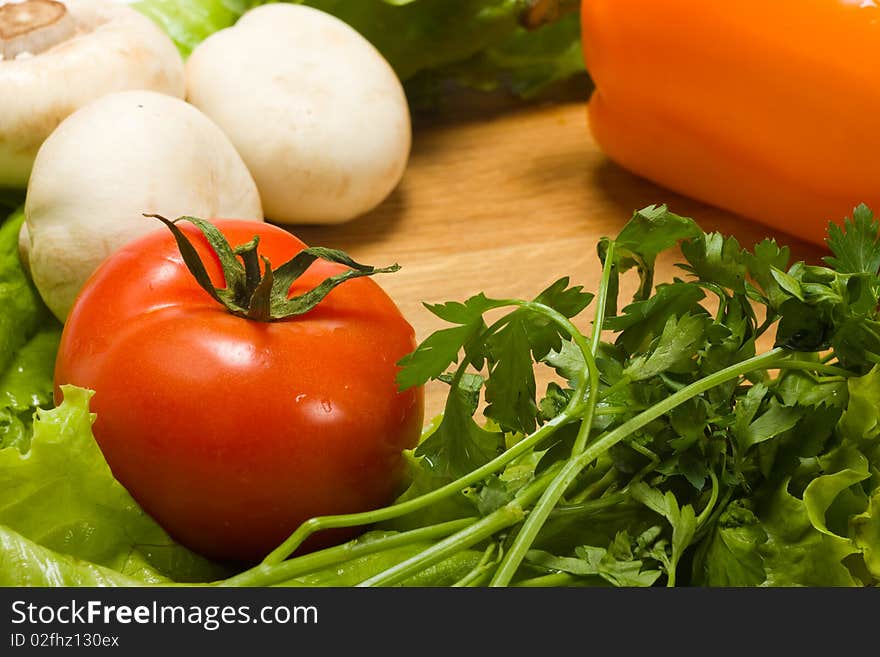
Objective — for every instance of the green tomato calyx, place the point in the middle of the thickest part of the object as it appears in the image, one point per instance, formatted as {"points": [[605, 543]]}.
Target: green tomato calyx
{"points": [[254, 290]]}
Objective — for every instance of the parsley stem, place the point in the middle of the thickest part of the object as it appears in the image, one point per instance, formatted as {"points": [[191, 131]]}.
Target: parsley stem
{"points": [[572, 468], [602, 300], [602, 484], [816, 366], [478, 572], [713, 499], [588, 507], [583, 434], [508, 515], [718, 509], [551, 579], [267, 575]]}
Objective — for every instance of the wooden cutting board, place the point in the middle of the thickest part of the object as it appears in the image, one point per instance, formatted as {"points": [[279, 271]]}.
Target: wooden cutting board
{"points": [[506, 201]]}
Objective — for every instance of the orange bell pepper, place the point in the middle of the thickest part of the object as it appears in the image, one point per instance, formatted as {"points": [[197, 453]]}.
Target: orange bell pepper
{"points": [[767, 108]]}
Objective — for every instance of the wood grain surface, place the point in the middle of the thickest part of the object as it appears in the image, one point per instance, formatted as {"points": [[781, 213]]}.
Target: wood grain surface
{"points": [[506, 201]]}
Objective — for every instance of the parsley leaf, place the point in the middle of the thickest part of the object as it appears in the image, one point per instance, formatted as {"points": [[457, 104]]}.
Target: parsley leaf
{"points": [[713, 257], [510, 389], [618, 564], [767, 257], [775, 420], [641, 321], [677, 344], [648, 233], [528, 336], [569, 301], [459, 445], [682, 518], [440, 349], [856, 245]]}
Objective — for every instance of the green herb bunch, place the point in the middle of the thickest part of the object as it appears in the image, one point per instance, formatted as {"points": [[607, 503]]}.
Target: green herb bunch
{"points": [[672, 450]]}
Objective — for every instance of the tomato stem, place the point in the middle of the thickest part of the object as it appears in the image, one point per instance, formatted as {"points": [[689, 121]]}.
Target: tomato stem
{"points": [[254, 290]]}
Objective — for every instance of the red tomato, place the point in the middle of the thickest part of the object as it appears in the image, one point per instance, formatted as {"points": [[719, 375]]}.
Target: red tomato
{"points": [[228, 431]]}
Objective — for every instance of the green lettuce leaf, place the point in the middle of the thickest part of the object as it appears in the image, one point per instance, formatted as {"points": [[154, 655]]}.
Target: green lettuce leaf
{"points": [[189, 22], [24, 563], [829, 537], [796, 552], [27, 383], [22, 311], [866, 534], [729, 556], [26, 386], [861, 419], [61, 494], [834, 497]]}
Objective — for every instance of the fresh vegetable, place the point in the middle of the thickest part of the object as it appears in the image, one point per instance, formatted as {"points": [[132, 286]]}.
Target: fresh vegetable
{"points": [[87, 195], [765, 109], [103, 45], [429, 43], [233, 415], [325, 126], [719, 429]]}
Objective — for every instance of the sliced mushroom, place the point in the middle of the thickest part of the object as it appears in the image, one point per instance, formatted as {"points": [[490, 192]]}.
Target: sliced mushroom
{"points": [[58, 56]]}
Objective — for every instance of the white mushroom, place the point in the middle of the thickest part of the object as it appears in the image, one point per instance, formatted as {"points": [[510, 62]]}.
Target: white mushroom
{"points": [[316, 112], [55, 57], [123, 155]]}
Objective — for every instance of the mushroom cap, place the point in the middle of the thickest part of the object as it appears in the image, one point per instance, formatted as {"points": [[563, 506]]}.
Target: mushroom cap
{"points": [[123, 155], [113, 48], [317, 113]]}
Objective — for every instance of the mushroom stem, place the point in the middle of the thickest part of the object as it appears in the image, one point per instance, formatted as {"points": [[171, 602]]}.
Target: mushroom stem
{"points": [[32, 26]]}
